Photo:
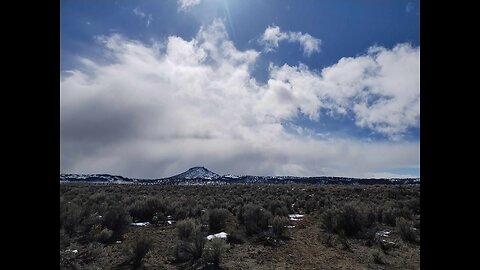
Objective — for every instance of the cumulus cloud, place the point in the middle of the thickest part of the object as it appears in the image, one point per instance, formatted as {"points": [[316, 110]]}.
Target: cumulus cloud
{"points": [[273, 35], [186, 4], [381, 89], [155, 111]]}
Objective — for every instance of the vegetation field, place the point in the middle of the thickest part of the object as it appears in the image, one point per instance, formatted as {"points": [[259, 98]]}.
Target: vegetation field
{"points": [[266, 227]]}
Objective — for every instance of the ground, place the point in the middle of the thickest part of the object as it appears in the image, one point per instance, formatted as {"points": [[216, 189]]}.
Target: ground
{"points": [[303, 247]]}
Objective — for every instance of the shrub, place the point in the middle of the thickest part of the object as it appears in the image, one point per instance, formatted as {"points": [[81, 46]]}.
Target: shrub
{"points": [[70, 217], [414, 205], [197, 243], [186, 228], [214, 251], [182, 251], [89, 222], [406, 232], [191, 249], [255, 219], [191, 241], [96, 203], [144, 210], [310, 206], [371, 215], [117, 219], [97, 197], [136, 251], [404, 212], [277, 208], [158, 217], [236, 237], [370, 236], [279, 226], [104, 236], [388, 216], [186, 209], [342, 238], [180, 213], [350, 219], [217, 219]]}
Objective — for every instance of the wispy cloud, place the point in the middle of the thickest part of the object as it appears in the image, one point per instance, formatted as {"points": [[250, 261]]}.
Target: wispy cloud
{"points": [[154, 112], [186, 4], [147, 17], [273, 35], [137, 12]]}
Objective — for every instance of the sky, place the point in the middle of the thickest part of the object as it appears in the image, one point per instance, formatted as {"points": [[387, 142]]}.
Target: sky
{"points": [[149, 89]]}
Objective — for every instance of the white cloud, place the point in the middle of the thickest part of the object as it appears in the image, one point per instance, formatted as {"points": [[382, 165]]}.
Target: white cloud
{"points": [[273, 35], [381, 89], [157, 110], [186, 4], [308, 43]]}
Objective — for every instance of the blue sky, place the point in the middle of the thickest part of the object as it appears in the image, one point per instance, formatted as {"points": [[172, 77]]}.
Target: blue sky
{"points": [[305, 58]]}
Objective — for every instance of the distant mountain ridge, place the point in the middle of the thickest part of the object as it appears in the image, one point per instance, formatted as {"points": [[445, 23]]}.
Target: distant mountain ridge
{"points": [[203, 176]]}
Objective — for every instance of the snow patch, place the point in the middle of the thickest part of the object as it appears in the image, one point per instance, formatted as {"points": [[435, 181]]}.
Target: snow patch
{"points": [[388, 242], [295, 217], [140, 224], [383, 233], [222, 235]]}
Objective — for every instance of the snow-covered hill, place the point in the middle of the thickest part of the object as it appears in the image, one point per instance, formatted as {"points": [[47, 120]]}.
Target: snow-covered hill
{"points": [[197, 172]]}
